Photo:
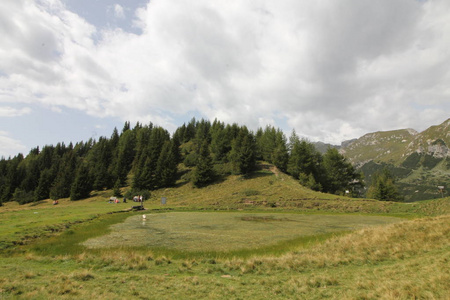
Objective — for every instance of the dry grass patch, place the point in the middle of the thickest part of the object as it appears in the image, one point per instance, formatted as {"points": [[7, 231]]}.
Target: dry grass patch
{"points": [[366, 246]]}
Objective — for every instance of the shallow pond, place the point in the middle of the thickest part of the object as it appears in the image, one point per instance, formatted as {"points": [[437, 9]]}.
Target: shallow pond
{"points": [[209, 231]]}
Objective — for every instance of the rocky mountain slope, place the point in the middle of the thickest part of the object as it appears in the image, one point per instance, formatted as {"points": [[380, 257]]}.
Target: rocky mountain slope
{"points": [[421, 161]]}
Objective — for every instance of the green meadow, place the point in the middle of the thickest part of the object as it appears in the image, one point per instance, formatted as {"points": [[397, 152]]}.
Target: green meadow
{"points": [[259, 237], [215, 232]]}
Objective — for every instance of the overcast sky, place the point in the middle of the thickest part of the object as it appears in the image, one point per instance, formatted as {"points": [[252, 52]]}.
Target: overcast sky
{"points": [[332, 70]]}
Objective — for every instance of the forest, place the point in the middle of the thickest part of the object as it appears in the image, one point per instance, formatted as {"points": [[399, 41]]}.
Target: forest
{"points": [[148, 157]]}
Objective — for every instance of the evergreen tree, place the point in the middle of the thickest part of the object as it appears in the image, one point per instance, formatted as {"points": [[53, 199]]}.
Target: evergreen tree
{"points": [[81, 149], [32, 174], [116, 190], [175, 149], [125, 155], [280, 154], [166, 167], [202, 132], [304, 158], [383, 187], [242, 154], [45, 182], [145, 171], [11, 178], [65, 176], [23, 197], [267, 142], [220, 141], [82, 184], [179, 134], [142, 143], [203, 173], [190, 131], [46, 157], [309, 181], [340, 174], [100, 159], [293, 139], [126, 127]]}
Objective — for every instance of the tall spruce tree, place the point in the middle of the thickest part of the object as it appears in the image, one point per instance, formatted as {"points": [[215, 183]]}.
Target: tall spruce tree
{"points": [[340, 174], [32, 173], [266, 142], [383, 187], [280, 156], [203, 172], [303, 159], [100, 159], [125, 155], [65, 176], [220, 141], [45, 182], [166, 167], [242, 155], [145, 172], [82, 185]]}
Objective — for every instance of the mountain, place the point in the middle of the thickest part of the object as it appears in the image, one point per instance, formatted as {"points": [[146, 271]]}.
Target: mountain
{"points": [[382, 146], [420, 161], [323, 147]]}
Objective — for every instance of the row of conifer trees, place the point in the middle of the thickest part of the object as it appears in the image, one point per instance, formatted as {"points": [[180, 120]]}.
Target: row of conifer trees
{"points": [[148, 157]]}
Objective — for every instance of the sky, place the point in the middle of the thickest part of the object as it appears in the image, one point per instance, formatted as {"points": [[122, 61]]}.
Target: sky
{"points": [[331, 70]]}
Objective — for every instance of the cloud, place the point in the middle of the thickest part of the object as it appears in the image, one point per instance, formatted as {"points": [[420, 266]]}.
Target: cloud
{"points": [[9, 146], [332, 70], [119, 12], [7, 111]]}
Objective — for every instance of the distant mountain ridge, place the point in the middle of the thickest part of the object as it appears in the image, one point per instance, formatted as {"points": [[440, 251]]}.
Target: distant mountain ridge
{"points": [[420, 160]]}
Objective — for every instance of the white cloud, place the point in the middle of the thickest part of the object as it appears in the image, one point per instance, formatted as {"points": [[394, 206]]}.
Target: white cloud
{"points": [[119, 12], [7, 111], [331, 69], [9, 146]]}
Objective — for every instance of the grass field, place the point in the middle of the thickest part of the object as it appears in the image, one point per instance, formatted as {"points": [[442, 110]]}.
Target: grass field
{"points": [[256, 238], [213, 231]]}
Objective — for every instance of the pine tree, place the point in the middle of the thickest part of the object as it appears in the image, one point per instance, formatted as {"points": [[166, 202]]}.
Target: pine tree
{"points": [[126, 127], [166, 167], [23, 197], [45, 182], [100, 159], [303, 159], [242, 155], [145, 170], [65, 176], [220, 142], [266, 142], [280, 155], [125, 155], [339, 173], [203, 173], [383, 187], [32, 174], [82, 185], [116, 190]]}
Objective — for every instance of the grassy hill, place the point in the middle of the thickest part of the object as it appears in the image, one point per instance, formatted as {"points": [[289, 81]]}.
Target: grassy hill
{"points": [[42, 256]]}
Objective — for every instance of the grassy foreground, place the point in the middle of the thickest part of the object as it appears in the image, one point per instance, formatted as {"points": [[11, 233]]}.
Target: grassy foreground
{"points": [[407, 260], [42, 258]]}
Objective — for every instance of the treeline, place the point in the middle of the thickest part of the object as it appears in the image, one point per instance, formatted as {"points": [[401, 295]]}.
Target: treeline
{"points": [[148, 157]]}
